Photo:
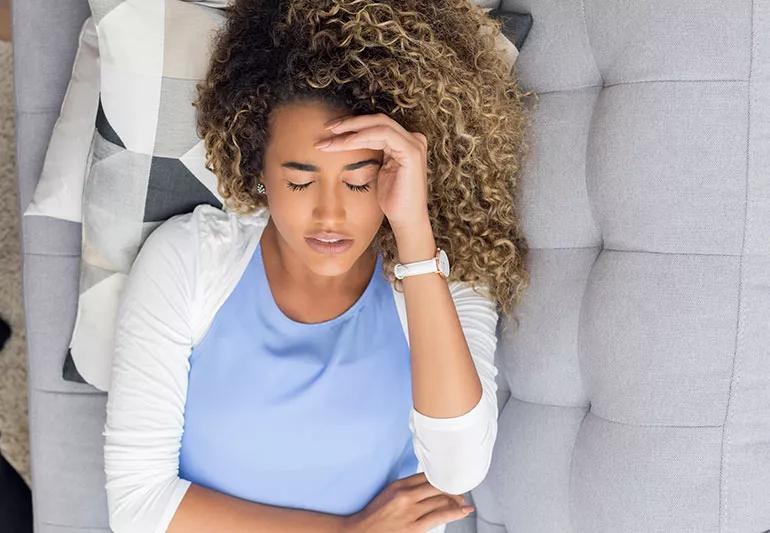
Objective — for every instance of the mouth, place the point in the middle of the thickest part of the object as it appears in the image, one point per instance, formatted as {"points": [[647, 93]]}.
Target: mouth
{"points": [[335, 247]]}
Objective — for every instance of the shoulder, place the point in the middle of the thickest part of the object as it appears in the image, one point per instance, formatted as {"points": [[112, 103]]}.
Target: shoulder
{"points": [[225, 233], [221, 244], [206, 221], [206, 236], [203, 249]]}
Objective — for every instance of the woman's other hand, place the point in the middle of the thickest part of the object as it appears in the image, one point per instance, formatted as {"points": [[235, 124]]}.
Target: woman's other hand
{"points": [[408, 505]]}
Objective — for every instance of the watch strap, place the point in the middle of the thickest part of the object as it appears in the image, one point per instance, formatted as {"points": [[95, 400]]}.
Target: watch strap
{"points": [[425, 266]]}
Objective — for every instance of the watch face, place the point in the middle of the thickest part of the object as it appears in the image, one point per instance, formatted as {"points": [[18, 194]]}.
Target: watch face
{"points": [[443, 263]]}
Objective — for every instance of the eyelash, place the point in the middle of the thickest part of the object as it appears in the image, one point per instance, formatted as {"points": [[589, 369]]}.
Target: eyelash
{"points": [[357, 188]]}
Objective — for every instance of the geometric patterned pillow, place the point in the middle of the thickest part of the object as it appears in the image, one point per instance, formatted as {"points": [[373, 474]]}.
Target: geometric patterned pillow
{"points": [[515, 25], [59, 191], [148, 163], [514, 30]]}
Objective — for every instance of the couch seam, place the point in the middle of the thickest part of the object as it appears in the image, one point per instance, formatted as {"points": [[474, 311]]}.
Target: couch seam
{"points": [[41, 111], [682, 426], [588, 40], [42, 254], [634, 82], [739, 323], [68, 526], [571, 464]]}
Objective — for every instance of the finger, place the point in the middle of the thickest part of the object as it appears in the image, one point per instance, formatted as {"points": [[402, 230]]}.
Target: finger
{"points": [[400, 147], [358, 122], [377, 134], [414, 480], [421, 137], [419, 489], [422, 491], [336, 138], [455, 499], [439, 501], [441, 515]]}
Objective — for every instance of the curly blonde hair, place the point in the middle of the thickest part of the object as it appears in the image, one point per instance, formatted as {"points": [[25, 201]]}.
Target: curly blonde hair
{"points": [[434, 67]]}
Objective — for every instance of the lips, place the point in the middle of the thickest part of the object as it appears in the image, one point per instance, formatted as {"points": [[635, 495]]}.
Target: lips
{"points": [[329, 247], [329, 236]]}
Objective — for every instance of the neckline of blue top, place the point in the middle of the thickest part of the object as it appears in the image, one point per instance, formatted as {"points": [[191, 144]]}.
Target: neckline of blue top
{"points": [[267, 296]]}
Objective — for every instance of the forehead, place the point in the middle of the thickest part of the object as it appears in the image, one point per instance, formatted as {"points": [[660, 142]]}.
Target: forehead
{"points": [[294, 128], [300, 123]]}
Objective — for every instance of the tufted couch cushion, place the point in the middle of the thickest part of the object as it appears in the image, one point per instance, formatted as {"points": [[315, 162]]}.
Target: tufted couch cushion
{"points": [[640, 374]]}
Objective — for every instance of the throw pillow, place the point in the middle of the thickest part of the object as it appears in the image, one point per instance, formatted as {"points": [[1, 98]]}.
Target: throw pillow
{"points": [[148, 163], [60, 187]]}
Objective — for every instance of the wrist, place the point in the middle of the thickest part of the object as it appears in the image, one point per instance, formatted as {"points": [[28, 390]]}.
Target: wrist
{"points": [[405, 228], [351, 524], [416, 244]]}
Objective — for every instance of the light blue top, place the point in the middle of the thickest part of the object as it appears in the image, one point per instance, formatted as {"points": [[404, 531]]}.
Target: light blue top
{"points": [[311, 416]]}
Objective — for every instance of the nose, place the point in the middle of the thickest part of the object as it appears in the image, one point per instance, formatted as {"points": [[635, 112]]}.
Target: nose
{"points": [[330, 209]]}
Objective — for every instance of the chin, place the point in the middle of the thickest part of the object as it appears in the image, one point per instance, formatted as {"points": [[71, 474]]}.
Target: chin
{"points": [[334, 267]]}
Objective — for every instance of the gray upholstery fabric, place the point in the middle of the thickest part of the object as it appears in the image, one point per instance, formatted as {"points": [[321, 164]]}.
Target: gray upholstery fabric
{"points": [[65, 419], [636, 391]]}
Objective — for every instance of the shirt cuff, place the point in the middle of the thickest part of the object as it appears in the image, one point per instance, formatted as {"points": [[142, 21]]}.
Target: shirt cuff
{"points": [[472, 418]]}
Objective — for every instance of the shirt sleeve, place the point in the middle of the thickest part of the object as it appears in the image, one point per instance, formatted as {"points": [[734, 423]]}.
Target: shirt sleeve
{"points": [[148, 382], [456, 452]]}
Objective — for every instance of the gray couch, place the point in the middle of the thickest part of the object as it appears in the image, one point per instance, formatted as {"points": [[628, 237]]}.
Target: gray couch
{"points": [[635, 395]]}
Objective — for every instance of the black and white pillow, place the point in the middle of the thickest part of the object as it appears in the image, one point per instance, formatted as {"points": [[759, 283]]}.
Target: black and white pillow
{"points": [[59, 189], [514, 31], [147, 164]]}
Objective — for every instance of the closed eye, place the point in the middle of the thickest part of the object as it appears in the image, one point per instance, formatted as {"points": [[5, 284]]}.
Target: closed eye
{"points": [[302, 186]]}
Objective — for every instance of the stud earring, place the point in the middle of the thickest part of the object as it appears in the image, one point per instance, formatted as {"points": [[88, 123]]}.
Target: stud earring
{"points": [[260, 188]]}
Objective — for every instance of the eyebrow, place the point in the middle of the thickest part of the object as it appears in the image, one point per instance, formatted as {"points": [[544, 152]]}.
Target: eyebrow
{"points": [[312, 168]]}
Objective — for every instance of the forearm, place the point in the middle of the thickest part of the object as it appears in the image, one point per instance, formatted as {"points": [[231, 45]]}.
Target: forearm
{"points": [[445, 383], [202, 510]]}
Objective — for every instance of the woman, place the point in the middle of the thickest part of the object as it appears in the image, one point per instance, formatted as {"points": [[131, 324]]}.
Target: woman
{"points": [[265, 380]]}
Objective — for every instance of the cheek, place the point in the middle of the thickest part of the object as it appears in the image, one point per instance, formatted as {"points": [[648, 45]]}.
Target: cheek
{"points": [[371, 222], [288, 223]]}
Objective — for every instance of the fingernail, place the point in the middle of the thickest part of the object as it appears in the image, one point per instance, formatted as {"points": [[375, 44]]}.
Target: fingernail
{"points": [[322, 144], [469, 508], [334, 123]]}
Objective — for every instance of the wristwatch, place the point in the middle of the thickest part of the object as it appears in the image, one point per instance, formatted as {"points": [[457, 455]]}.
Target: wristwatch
{"points": [[439, 264]]}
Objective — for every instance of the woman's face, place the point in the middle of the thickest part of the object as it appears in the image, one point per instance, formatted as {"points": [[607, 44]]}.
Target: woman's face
{"points": [[328, 203]]}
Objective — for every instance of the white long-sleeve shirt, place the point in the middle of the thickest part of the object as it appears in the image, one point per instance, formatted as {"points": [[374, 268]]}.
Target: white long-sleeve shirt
{"points": [[181, 276]]}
